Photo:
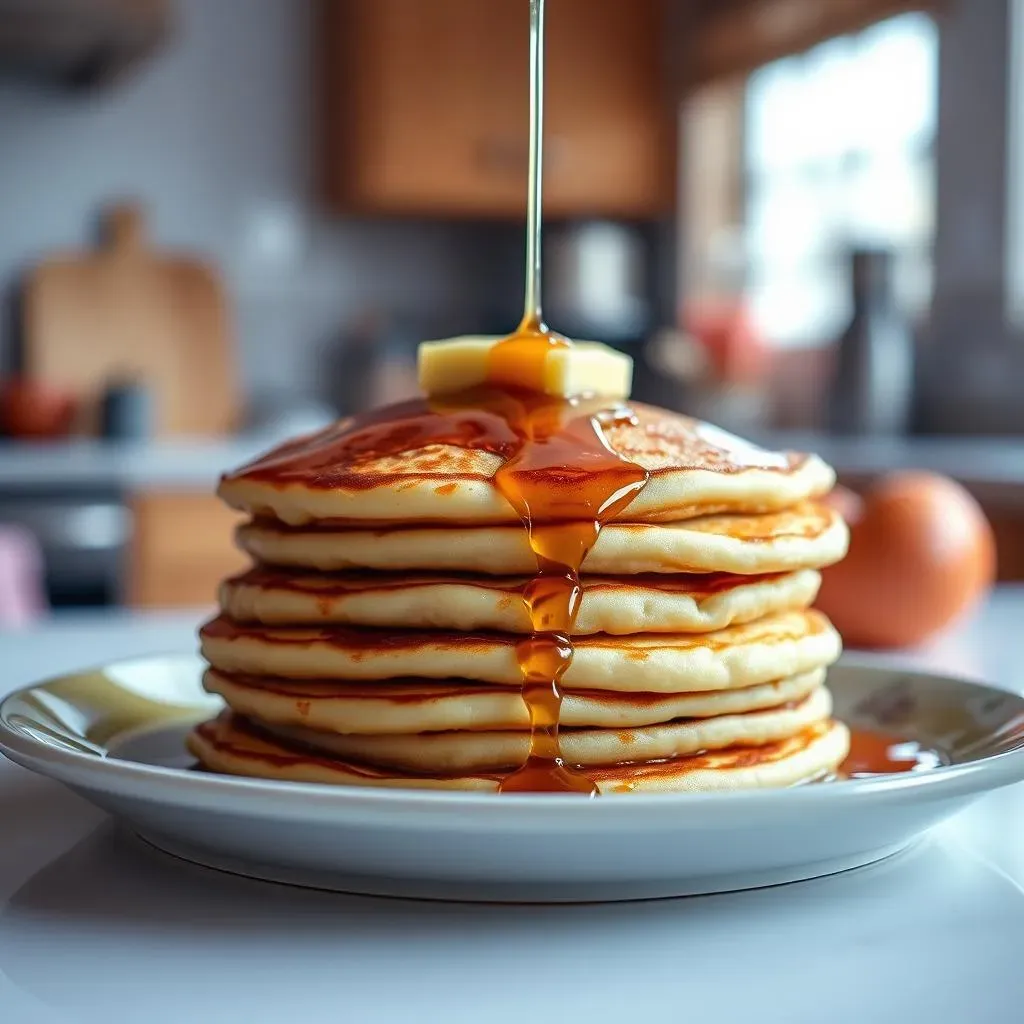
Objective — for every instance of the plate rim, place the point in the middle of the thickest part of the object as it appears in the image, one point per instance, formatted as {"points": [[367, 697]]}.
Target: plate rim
{"points": [[179, 786]]}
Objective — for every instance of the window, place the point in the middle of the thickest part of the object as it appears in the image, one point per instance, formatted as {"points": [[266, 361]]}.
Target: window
{"points": [[839, 152]]}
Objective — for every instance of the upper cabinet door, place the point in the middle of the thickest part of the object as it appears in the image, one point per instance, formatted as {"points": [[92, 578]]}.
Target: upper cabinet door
{"points": [[426, 108], [610, 123]]}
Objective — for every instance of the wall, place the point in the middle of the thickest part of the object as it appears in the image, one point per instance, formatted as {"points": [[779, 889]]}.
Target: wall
{"points": [[214, 135]]}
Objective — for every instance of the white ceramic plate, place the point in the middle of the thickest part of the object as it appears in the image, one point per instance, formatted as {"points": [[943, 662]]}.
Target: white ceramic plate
{"points": [[115, 735]]}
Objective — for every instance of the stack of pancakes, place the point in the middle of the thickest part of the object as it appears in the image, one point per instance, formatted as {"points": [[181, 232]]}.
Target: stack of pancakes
{"points": [[374, 642]]}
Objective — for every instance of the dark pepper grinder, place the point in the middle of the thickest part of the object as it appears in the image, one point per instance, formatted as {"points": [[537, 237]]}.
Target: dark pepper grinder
{"points": [[872, 384]]}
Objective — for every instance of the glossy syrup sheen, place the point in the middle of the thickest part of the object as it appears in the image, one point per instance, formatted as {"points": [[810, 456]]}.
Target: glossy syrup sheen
{"points": [[521, 359], [332, 458]]}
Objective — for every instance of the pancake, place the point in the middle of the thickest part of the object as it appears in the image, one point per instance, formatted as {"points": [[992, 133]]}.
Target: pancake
{"points": [[229, 744], [458, 752], [807, 536], [770, 648], [422, 462], [664, 603], [419, 705]]}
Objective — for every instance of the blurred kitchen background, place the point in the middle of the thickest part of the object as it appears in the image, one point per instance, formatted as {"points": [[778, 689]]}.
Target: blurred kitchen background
{"points": [[226, 221]]}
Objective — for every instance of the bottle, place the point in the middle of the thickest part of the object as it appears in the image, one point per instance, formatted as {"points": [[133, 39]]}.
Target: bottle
{"points": [[126, 410], [872, 383]]}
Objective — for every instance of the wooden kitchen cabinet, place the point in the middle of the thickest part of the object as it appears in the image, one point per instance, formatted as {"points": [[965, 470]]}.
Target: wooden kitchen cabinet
{"points": [[425, 108], [182, 547]]}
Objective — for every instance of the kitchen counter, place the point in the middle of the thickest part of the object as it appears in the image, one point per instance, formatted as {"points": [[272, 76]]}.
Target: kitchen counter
{"points": [[195, 464], [994, 466], [986, 463], [95, 927]]}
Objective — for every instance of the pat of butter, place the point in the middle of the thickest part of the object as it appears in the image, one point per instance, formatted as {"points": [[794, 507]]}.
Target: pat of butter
{"points": [[581, 368]]}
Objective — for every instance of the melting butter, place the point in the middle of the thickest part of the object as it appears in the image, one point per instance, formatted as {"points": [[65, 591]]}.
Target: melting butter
{"points": [[569, 369]]}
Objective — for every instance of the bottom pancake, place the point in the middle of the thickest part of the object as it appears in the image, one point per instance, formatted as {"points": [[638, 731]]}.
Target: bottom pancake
{"points": [[229, 744]]}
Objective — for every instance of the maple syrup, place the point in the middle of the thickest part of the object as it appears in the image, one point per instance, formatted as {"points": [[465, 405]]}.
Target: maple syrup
{"points": [[565, 483], [876, 753]]}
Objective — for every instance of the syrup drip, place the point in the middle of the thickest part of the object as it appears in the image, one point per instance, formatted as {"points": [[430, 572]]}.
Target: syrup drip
{"points": [[565, 483]]}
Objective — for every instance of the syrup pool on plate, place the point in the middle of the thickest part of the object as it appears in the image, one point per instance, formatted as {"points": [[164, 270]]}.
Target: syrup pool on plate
{"points": [[876, 753]]}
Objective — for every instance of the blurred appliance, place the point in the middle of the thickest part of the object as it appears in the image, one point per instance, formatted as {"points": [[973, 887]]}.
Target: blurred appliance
{"points": [[970, 366], [82, 534], [596, 281], [129, 311], [872, 385], [600, 285], [79, 43], [126, 411], [373, 362]]}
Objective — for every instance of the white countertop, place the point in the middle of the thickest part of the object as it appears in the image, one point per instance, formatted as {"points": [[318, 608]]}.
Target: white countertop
{"points": [[93, 927]]}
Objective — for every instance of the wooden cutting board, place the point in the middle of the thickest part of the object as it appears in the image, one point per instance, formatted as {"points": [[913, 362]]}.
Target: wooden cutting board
{"points": [[126, 311]]}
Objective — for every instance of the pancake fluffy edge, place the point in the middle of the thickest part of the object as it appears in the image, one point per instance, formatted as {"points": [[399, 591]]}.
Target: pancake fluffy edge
{"points": [[227, 745], [807, 536], [770, 648], [614, 605], [418, 706], [695, 469]]}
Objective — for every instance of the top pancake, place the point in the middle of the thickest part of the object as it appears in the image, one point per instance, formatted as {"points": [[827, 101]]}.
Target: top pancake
{"points": [[419, 462]]}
